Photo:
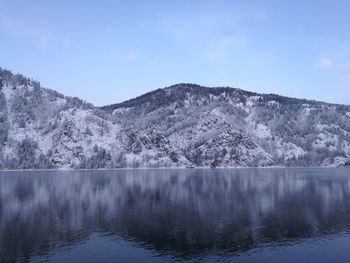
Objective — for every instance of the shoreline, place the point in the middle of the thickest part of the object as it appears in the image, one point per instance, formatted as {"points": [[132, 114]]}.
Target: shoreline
{"points": [[165, 168]]}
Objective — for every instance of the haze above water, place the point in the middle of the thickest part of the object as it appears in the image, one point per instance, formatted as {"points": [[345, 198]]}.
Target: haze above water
{"points": [[239, 215]]}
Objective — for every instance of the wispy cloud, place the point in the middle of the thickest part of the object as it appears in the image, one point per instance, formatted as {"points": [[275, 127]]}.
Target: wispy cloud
{"points": [[42, 42], [329, 64], [36, 30], [324, 63], [131, 56]]}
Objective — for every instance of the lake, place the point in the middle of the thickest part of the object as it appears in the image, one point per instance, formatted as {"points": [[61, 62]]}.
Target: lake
{"points": [[194, 215]]}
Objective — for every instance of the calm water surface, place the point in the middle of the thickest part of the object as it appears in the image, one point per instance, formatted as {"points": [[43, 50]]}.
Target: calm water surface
{"points": [[218, 215]]}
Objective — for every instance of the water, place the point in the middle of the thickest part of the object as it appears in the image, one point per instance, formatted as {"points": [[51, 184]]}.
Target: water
{"points": [[209, 215]]}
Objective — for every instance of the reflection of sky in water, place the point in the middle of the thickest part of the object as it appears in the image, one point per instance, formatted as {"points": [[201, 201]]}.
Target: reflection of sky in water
{"points": [[181, 213]]}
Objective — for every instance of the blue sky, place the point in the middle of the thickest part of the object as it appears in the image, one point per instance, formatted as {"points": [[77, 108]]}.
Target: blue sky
{"points": [[110, 51]]}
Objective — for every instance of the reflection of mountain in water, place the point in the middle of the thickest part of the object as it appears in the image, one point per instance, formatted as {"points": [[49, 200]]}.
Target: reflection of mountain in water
{"points": [[177, 212]]}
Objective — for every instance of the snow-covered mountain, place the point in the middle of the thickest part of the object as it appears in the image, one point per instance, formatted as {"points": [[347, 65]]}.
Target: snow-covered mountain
{"points": [[40, 128], [172, 127]]}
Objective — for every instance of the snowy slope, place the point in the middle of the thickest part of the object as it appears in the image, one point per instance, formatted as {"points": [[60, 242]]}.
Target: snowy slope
{"points": [[43, 129], [173, 127], [234, 128]]}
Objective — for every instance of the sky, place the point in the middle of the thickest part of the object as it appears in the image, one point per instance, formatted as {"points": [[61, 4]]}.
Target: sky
{"points": [[110, 51]]}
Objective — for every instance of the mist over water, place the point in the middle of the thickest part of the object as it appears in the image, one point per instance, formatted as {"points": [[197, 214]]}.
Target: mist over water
{"points": [[165, 215]]}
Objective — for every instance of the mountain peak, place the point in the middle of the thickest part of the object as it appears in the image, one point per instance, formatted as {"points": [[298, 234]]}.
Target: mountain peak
{"points": [[179, 92]]}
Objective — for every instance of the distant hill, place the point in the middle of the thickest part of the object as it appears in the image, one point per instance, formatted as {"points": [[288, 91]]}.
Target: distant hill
{"points": [[176, 126]]}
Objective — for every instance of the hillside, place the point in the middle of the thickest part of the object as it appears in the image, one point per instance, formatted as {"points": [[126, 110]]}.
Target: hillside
{"points": [[240, 128], [172, 127], [40, 128]]}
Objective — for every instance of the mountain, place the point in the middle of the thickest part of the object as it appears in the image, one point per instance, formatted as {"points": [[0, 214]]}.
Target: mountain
{"points": [[40, 128], [176, 126], [234, 127]]}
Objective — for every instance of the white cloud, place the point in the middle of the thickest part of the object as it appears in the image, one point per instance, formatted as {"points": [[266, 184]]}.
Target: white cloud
{"points": [[130, 56], [42, 42], [324, 63]]}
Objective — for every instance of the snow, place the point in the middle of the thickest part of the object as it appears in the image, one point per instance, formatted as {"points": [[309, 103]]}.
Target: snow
{"points": [[346, 147], [8, 92], [262, 131], [307, 111], [216, 112], [212, 127], [326, 140], [252, 100], [289, 150], [121, 110], [338, 161], [273, 103]]}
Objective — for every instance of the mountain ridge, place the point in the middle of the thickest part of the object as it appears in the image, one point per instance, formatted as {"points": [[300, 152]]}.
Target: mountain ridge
{"points": [[210, 90], [152, 92], [177, 126]]}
